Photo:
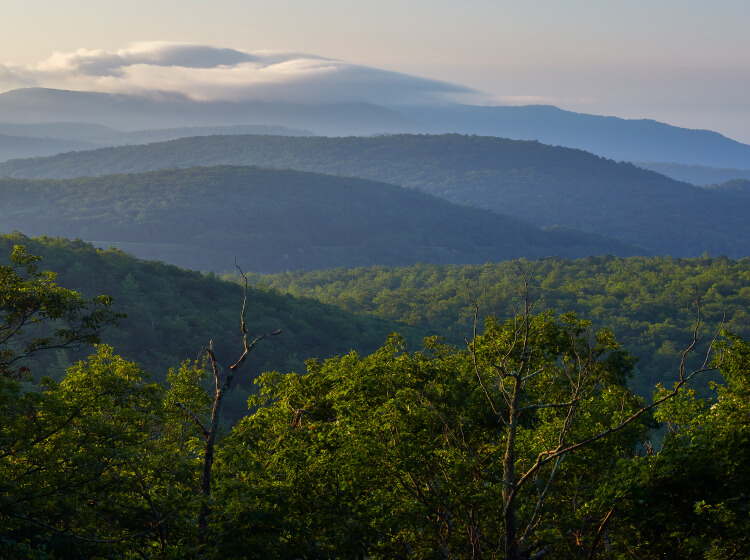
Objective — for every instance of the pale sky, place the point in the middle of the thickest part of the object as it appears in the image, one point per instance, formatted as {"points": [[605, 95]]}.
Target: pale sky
{"points": [[683, 62]]}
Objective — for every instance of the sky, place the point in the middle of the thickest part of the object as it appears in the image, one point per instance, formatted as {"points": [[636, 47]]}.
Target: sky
{"points": [[683, 62]]}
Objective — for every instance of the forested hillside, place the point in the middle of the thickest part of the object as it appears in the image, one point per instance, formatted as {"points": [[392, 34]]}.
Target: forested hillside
{"points": [[542, 184], [172, 313], [274, 220], [403, 452], [648, 302]]}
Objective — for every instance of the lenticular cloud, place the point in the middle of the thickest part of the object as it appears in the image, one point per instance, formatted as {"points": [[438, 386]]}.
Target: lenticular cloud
{"points": [[208, 73]]}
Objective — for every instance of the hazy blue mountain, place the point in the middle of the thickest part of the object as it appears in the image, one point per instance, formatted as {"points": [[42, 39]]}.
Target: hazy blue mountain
{"points": [[12, 147], [131, 112], [611, 137], [19, 140], [545, 185], [101, 136], [735, 186], [696, 174], [274, 220], [163, 134], [85, 132], [616, 138]]}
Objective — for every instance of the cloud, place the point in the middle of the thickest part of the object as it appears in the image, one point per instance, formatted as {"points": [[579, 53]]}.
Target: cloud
{"points": [[204, 72]]}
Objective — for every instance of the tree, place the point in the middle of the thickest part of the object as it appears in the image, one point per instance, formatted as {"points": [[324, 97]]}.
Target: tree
{"points": [[78, 457], [210, 431], [82, 468], [489, 452], [689, 499], [36, 314], [409, 454], [570, 389]]}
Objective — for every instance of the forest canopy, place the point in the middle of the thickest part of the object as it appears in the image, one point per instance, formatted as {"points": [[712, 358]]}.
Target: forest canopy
{"points": [[521, 443]]}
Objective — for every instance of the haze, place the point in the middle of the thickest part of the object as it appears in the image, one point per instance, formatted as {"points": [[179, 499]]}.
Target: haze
{"points": [[684, 63]]}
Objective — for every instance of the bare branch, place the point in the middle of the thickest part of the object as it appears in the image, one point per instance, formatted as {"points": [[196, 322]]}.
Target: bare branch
{"points": [[211, 433], [214, 365], [249, 348], [537, 513], [546, 457], [550, 405], [243, 328], [534, 374], [192, 415], [472, 346], [599, 533]]}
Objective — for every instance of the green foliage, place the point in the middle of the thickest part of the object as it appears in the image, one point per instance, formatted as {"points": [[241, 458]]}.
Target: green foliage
{"points": [[690, 500], [83, 471], [188, 386], [390, 454], [36, 314], [173, 313], [400, 454], [648, 302]]}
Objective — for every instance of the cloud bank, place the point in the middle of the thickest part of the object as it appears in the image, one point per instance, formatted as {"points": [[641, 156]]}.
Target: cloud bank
{"points": [[207, 73]]}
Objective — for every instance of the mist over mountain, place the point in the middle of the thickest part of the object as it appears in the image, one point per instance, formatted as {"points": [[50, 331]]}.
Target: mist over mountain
{"points": [[157, 91], [611, 137], [43, 139], [176, 85], [24, 146], [206, 73], [99, 136], [132, 113]]}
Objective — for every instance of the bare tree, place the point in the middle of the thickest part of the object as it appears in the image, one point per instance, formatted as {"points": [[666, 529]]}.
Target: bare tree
{"points": [[221, 387]]}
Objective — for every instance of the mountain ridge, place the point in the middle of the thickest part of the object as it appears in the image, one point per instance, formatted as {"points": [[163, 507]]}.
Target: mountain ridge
{"points": [[537, 183], [608, 136], [276, 220]]}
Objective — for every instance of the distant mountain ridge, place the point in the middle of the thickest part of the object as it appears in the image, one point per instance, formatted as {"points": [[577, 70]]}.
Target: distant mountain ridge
{"points": [[274, 220], [612, 137], [172, 313], [545, 185], [12, 147], [135, 112], [698, 175], [45, 139]]}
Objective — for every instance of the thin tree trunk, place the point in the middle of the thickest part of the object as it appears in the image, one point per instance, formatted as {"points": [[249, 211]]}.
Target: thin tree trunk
{"points": [[509, 476]]}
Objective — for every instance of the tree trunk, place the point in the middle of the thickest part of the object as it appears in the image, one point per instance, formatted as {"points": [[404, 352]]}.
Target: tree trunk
{"points": [[509, 476]]}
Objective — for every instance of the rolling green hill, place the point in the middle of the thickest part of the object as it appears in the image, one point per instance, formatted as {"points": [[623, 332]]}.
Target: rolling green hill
{"points": [[648, 302], [173, 313], [273, 220], [545, 185]]}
